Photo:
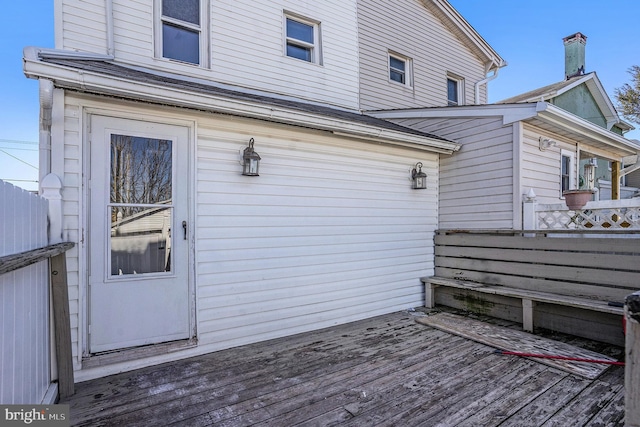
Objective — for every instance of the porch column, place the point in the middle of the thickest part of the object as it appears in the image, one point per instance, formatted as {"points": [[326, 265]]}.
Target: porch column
{"points": [[615, 180]]}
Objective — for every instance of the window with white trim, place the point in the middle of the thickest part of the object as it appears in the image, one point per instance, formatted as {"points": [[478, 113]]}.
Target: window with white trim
{"points": [[400, 69], [567, 170], [455, 90], [302, 39], [180, 31]]}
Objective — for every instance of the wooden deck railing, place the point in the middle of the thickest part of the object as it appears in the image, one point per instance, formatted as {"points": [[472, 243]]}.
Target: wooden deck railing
{"points": [[59, 293]]}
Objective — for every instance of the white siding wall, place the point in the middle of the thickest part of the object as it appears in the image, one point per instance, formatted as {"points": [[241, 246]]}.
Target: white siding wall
{"points": [[67, 145], [328, 233], [409, 28], [541, 169], [85, 27], [246, 46], [476, 183]]}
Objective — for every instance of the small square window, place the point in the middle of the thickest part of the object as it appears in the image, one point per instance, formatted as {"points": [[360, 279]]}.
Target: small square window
{"points": [[455, 89], [302, 40], [400, 69], [181, 30]]}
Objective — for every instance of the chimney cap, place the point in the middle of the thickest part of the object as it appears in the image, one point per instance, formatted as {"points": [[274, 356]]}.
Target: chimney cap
{"points": [[575, 37]]}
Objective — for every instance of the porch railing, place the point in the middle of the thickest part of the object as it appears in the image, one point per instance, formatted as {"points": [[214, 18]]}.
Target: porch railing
{"points": [[600, 215]]}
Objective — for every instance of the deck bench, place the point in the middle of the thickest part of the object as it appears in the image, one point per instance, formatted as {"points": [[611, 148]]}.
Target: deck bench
{"points": [[568, 282], [529, 298]]}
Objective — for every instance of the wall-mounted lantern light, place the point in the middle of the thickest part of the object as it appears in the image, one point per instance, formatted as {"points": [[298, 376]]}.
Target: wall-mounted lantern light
{"points": [[545, 143], [419, 178], [250, 160]]}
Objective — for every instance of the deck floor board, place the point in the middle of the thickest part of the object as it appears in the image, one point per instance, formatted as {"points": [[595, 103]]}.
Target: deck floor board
{"points": [[386, 371]]}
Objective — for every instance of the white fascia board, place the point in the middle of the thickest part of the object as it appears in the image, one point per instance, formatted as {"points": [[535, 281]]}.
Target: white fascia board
{"points": [[510, 113], [106, 85], [553, 115]]}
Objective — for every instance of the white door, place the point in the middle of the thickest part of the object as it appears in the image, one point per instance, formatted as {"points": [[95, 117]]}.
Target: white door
{"points": [[138, 234]]}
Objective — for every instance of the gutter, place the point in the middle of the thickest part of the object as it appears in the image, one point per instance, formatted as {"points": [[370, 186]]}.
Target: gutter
{"points": [[108, 5], [482, 82], [92, 82], [46, 106]]}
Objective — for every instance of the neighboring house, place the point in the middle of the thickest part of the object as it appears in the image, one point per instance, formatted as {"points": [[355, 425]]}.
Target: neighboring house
{"points": [[582, 94], [147, 109], [526, 143]]}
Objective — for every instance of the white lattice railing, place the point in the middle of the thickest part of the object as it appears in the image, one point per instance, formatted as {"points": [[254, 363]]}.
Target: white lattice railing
{"points": [[601, 215]]}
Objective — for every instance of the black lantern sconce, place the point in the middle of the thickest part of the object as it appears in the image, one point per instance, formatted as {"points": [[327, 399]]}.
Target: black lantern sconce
{"points": [[419, 178], [250, 160]]}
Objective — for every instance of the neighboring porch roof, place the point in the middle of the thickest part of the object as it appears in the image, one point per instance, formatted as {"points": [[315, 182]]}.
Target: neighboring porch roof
{"points": [[594, 86], [540, 114], [101, 75]]}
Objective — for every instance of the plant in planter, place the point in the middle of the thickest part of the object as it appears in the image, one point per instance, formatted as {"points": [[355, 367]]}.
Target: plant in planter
{"points": [[576, 199]]}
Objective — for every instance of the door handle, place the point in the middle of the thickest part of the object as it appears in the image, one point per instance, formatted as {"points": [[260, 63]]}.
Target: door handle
{"points": [[184, 227]]}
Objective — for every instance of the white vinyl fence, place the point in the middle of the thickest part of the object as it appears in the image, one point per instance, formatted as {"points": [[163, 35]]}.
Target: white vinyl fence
{"points": [[24, 300]]}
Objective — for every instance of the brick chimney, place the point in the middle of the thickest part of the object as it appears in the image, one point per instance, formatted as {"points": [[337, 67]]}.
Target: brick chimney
{"points": [[574, 47]]}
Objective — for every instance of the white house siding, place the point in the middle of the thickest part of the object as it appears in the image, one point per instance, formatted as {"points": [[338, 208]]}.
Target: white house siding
{"points": [[407, 27], [476, 183], [541, 169], [246, 44], [67, 143], [329, 232]]}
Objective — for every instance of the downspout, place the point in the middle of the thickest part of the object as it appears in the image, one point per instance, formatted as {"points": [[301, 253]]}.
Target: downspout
{"points": [[482, 82], [46, 105], [108, 4]]}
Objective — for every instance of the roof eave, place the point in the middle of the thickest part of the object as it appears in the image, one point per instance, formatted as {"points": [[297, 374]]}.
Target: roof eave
{"points": [[570, 122], [96, 83], [511, 113]]}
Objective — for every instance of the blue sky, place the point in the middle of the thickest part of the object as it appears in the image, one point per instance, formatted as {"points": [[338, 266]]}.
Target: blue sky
{"points": [[527, 34]]}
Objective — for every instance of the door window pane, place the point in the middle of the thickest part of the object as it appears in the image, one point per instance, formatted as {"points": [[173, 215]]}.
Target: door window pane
{"points": [[140, 240], [140, 170]]}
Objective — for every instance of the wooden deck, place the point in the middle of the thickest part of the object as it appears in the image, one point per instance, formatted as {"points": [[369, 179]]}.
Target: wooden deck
{"points": [[385, 371]]}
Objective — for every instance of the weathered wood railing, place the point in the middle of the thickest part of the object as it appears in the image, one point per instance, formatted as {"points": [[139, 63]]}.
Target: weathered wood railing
{"points": [[632, 359], [575, 285], [60, 299]]}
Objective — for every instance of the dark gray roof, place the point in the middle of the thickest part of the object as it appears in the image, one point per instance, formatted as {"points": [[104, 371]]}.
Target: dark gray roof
{"points": [[112, 69], [540, 92]]}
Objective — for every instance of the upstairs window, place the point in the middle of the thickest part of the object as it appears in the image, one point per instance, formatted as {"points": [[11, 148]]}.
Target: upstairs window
{"points": [[302, 39], [400, 69], [181, 30], [455, 90]]}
